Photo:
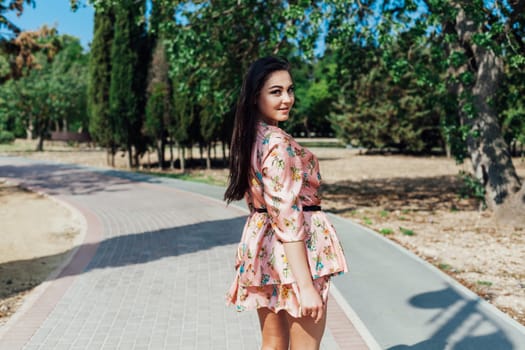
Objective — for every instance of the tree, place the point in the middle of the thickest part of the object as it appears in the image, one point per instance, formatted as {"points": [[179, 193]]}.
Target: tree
{"points": [[477, 38], [55, 93], [211, 46], [19, 53], [158, 108], [101, 126], [127, 79]]}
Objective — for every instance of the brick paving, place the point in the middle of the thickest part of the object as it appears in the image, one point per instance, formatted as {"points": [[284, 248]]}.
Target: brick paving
{"points": [[151, 273]]}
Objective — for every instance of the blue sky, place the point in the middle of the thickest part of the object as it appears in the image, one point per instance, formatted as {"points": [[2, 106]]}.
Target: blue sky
{"points": [[79, 23]]}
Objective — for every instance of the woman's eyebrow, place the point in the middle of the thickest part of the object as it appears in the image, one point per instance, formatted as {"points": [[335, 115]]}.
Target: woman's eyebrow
{"points": [[277, 86]]}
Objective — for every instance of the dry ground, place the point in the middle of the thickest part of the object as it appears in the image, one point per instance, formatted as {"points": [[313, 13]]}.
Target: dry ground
{"points": [[37, 235], [413, 201]]}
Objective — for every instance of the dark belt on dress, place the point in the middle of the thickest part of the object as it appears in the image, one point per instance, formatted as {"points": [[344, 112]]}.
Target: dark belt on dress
{"points": [[305, 208]]}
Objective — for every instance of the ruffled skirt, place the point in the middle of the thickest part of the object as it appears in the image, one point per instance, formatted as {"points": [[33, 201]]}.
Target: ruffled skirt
{"points": [[263, 277]]}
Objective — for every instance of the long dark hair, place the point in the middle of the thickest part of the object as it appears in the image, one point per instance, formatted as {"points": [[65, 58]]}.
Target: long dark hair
{"points": [[244, 130]]}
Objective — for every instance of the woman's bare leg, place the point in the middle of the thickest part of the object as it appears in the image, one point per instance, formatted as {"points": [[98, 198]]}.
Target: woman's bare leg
{"points": [[305, 334], [274, 329]]}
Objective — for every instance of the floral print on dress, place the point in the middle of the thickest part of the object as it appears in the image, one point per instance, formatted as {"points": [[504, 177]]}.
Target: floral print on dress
{"points": [[285, 177]]}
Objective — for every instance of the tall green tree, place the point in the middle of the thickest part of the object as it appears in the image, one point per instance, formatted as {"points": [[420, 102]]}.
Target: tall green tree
{"points": [[127, 78], [158, 107], [101, 126]]}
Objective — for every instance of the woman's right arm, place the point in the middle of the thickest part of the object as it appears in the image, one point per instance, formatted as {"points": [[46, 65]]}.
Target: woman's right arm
{"points": [[282, 182]]}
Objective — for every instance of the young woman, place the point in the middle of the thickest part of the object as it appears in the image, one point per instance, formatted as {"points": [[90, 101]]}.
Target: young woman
{"points": [[289, 249]]}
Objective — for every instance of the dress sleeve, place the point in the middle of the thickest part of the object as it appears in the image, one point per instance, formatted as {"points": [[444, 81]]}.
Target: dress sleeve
{"points": [[282, 181]]}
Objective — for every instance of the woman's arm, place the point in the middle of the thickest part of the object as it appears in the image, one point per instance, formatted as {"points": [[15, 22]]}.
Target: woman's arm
{"points": [[311, 303]]}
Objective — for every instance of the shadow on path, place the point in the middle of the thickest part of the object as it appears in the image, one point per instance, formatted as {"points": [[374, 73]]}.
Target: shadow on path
{"points": [[145, 247], [462, 325], [61, 179]]}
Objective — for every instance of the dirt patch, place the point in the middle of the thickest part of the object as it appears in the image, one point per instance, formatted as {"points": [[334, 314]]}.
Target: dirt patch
{"points": [[37, 235]]}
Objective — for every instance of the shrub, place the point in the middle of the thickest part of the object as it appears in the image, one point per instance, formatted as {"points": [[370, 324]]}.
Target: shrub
{"points": [[6, 137]]}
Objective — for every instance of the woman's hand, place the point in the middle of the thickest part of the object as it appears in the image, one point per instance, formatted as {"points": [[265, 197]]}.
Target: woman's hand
{"points": [[311, 303]]}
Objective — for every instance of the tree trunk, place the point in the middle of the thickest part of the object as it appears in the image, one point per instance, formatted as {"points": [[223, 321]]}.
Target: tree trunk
{"points": [[172, 161], [208, 157], [224, 159], [29, 128], [489, 153], [159, 154], [201, 153], [183, 159], [130, 157], [40, 145]]}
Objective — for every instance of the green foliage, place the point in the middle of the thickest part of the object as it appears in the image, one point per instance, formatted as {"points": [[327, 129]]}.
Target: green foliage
{"points": [[472, 187], [406, 231], [101, 127], [484, 283], [6, 137], [385, 100], [210, 51], [386, 231], [444, 267], [54, 94], [315, 93], [126, 93]]}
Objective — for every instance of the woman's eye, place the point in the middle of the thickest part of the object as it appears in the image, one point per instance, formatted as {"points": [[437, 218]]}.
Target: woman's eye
{"points": [[291, 90], [275, 92]]}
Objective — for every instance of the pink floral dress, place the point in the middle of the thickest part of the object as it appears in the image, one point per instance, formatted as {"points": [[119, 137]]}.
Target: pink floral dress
{"points": [[285, 177]]}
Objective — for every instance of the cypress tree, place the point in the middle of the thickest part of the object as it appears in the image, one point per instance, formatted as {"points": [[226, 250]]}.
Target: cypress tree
{"points": [[100, 125], [127, 79], [158, 107]]}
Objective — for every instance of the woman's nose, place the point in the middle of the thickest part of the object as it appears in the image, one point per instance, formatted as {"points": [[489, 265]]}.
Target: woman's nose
{"points": [[287, 98]]}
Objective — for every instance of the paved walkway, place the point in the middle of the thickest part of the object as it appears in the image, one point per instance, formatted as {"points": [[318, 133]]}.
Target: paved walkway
{"points": [[151, 273]]}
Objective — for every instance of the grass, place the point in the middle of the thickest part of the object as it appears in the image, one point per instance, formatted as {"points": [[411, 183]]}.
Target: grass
{"points": [[383, 213], [386, 231], [445, 267], [367, 220], [16, 147], [406, 231], [484, 283]]}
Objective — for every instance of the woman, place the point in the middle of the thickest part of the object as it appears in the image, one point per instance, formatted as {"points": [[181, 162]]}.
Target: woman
{"points": [[288, 250]]}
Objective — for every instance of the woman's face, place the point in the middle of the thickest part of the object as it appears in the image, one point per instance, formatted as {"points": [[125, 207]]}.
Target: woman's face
{"points": [[276, 98]]}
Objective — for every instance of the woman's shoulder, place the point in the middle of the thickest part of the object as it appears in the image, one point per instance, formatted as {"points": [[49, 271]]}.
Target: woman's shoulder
{"points": [[273, 135]]}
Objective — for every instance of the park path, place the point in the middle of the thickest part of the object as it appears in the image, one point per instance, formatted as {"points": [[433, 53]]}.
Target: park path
{"points": [[151, 273]]}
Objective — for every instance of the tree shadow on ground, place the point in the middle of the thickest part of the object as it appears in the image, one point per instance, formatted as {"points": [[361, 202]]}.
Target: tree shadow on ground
{"points": [[461, 318], [422, 194], [61, 179], [131, 249]]}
